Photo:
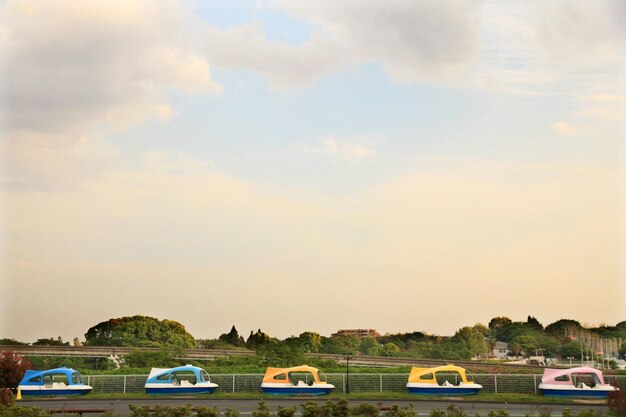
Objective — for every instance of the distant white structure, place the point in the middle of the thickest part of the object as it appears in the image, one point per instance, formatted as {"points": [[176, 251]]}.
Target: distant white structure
{"points": [[500, 350]]}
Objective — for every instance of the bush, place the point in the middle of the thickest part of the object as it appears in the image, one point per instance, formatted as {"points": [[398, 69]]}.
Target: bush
{"points": [[401, 412], [617, 403], [12, 368], [437, 413], [341, 408], [286, 411], [587, 412], [498, 413], [6, 397], [364, 410], [262, 410], [206, 411], [310, 409], [13, 411], [231, 412]]}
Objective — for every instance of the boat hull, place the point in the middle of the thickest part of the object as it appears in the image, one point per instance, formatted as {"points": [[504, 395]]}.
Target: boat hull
{"points": [[180, 390], [443, 391], [575, 392], [296, 390], [55, 391]]}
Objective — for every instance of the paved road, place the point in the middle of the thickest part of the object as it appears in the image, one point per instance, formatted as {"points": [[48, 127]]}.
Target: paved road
{"points": [[246, 407]]}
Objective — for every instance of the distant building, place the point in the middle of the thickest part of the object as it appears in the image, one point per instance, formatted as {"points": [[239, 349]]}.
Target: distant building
{"points": [[360, 333], [500, 350]]}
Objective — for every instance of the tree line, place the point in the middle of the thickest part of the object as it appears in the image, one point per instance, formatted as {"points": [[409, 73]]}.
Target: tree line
{"points": [[524, 338]]}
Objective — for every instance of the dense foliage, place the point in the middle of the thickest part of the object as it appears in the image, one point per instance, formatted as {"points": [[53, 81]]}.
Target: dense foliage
{"points": [[12, 369], [139, 331]]}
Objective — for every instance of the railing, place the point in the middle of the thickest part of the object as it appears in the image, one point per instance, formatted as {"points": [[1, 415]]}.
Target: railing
{"points": [[494, 383]]}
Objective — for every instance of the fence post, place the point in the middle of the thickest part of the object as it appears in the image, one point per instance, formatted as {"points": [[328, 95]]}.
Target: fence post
{"points": [[233, 383], [535, 382], [344, 382], [495, 382], [124, 384], [381, 382]]}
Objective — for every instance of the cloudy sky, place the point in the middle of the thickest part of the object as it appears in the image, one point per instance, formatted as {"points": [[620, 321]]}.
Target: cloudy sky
{"points": [[292, 166]]}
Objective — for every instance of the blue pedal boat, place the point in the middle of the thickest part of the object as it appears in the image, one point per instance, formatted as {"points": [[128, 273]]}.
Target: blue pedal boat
{"points": [[186, 379], [57, 381]]}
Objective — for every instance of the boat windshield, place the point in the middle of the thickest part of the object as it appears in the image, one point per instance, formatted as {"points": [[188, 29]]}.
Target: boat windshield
{"points": [[204, 376], [77, 378], [322, 376], [469, 376]]}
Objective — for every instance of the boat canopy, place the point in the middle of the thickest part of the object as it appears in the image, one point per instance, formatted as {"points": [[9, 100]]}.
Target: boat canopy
{"points": [[281, 375], [164, 375], [36, 378], [427, 375], [563, 376]]}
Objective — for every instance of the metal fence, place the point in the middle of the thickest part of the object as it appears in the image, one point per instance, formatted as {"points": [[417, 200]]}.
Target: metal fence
{"points": [[494, 383]]}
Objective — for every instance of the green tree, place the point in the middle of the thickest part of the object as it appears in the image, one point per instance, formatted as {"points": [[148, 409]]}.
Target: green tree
{"points": [[389, 349], [528, 344], [51, 342], [369, 346], [139, 331], [146, 359], [258, 339], [343, 345], [11, 342], [472, 339], [558, 328], [498, 322], [534, 323], [310, 342], [232, 338]]}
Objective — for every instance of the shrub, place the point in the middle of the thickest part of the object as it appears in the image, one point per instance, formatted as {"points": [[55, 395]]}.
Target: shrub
{"points": [[6, 397], [498, 413], [545, 412], [617, 403], [231, 412], [437, 413], [401, 412], [262, 410], [310, 409], [364, 410], [587, 412], [341, 408], [13, 411], [206, 411], [456, 412], [286, 411]]}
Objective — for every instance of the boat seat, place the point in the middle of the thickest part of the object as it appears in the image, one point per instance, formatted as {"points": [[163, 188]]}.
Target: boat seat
{"points": [[583, 386], [185, 383], [447, 384], [58, 385], [301, 384]]}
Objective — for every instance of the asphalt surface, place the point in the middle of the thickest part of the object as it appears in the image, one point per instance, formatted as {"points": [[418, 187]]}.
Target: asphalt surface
{"points": [[245, 407]]}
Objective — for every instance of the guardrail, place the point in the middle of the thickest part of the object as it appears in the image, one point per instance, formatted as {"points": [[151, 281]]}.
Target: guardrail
{"points": [[493, 383]]}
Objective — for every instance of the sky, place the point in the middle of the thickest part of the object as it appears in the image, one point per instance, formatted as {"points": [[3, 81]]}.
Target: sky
{"points": [[311, 166]]}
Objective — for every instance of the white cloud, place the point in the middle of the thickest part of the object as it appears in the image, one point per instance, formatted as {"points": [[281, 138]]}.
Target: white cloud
{"points": [[411, 40], [564, 128], [341, 149], [287, 66], [68, 64]]}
